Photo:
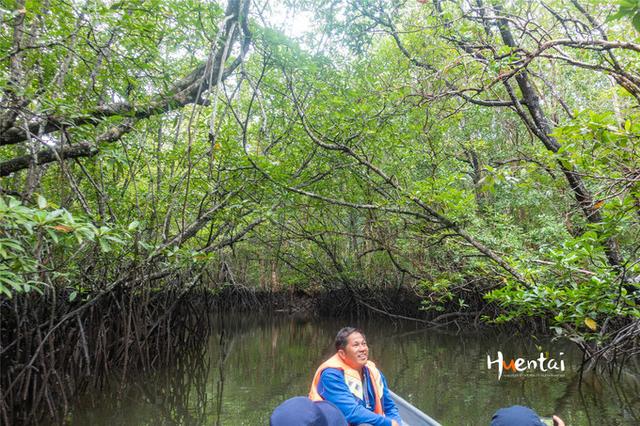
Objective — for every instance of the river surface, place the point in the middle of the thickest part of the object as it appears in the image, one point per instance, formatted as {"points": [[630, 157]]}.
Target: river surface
{"points": [[250, 364]]}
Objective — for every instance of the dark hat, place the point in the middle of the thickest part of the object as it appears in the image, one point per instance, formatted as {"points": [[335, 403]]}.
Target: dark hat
{"points": [[301, 411], [516, 415]]}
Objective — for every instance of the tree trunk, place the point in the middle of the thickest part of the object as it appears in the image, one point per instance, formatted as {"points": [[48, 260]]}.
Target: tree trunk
{"points": [[540, 125]]}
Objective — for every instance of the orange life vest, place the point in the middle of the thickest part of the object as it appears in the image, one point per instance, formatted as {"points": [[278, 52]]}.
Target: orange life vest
{"points": [[352, 379]]}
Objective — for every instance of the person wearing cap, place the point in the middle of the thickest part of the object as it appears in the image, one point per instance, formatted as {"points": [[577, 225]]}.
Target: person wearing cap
{"points": [[518, 415], [301, 411], [354, 384]]}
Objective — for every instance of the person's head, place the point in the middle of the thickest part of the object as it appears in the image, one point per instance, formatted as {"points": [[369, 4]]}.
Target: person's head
{"points": [[516, 415], [351, 345], [304, 412]]}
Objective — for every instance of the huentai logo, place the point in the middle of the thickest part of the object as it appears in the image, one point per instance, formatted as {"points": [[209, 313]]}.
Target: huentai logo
{"points": [[543, 364]]}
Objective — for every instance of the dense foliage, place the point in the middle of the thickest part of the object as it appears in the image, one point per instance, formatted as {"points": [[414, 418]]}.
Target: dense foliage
{"points": [[466, 151]]}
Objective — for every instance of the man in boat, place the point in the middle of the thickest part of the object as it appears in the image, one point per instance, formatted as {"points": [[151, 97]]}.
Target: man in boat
{"points": [[353, 383]]}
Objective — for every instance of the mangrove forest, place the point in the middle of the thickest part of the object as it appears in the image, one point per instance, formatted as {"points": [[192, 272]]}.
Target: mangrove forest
{"points": [[455, 166]]}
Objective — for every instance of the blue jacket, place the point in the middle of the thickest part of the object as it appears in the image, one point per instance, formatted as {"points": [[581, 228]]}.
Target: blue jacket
{"points": [[333, 388]]}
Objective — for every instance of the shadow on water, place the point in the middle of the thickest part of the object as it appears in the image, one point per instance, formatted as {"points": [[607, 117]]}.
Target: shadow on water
{"points": [[250, 364]]}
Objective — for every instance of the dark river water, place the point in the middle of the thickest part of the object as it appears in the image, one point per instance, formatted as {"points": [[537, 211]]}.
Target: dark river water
{"points": [[250, 364]]}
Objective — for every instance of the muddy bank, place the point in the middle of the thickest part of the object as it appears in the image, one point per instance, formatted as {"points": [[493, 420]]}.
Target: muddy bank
{"points": [[400, 304]]}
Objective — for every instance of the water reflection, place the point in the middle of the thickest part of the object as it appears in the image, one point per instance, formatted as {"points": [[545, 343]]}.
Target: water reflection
{"points": [[250, 364]]}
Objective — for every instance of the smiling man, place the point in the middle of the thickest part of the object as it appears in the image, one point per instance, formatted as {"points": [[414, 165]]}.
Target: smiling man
{"points": [[353, 383]]}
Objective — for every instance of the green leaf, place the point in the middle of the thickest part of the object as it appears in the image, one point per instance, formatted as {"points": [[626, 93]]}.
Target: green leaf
{"points": [[5, 291], [618, 15], [53, 235], [104, 245], [628, 4], [636, 21], [42, 202]]}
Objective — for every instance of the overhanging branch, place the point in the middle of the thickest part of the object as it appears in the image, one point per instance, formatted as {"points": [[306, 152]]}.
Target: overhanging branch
{"points": [[184, 92]]}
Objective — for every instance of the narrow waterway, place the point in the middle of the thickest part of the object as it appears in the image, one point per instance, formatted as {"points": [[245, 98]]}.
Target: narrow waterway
{"points": [[250, 364]]}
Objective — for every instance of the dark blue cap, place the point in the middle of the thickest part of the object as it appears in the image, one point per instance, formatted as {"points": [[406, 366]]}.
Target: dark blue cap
{"points": [[301, 411], [516, 415]]}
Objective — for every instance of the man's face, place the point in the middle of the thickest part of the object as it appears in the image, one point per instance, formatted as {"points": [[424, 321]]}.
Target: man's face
{"points": [[356, 353]]}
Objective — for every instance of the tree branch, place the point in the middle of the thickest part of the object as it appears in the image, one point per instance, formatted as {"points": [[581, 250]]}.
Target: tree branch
{"points": [[184, 92], [51, 154]]}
